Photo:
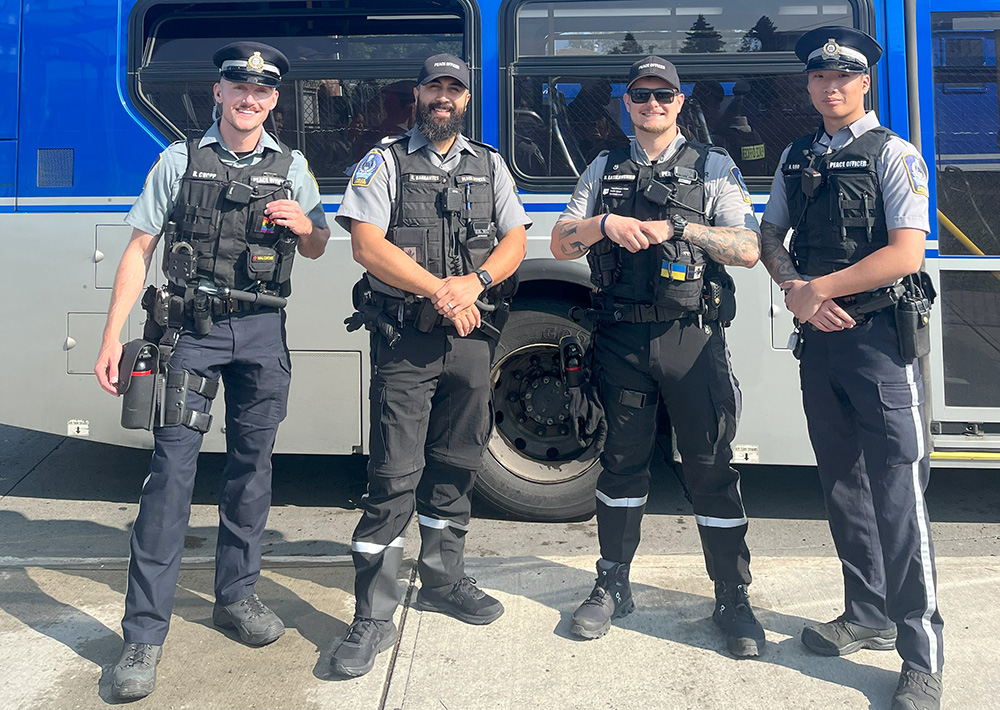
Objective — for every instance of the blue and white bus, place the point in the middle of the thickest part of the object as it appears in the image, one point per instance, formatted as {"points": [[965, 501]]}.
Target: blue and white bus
{"points": [[92, 90]]}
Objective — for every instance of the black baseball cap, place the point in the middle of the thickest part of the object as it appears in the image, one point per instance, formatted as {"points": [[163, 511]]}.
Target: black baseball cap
{"points": [[837, 48], [251, 63], [444, 65], [654, 66]]}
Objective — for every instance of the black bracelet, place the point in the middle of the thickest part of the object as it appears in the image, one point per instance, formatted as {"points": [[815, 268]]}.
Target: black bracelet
{"points": [[603, 220]]}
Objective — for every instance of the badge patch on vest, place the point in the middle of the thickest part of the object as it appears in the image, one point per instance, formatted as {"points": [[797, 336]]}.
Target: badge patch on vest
{"points": [[738, 177], [367, 169], [917, 173], [267, 225]]}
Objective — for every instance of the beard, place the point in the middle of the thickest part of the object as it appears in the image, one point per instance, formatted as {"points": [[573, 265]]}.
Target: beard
{"points": [[435, 130]]}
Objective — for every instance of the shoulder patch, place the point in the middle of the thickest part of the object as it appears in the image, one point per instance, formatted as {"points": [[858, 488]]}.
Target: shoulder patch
{"points": [[367, 168], [738, 177], [917, 173]]}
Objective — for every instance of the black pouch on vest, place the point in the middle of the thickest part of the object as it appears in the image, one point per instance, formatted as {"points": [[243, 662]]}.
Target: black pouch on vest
{"points": [[479, 241], [413, 242], [261, 262], [680, 279], [427, 317]]}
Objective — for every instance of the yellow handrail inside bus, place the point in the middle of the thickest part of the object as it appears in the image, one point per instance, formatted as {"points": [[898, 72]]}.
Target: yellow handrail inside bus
{"points": [[965, 455], [959, 234]]}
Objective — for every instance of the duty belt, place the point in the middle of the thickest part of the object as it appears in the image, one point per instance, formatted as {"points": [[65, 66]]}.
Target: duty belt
{"points": [[222, 307], [863, 306], [630, 313]]}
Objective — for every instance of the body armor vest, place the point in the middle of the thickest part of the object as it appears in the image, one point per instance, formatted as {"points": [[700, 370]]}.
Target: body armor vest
{"points": [[443, 221], [668, 274], [219, 213], [843, 219]]}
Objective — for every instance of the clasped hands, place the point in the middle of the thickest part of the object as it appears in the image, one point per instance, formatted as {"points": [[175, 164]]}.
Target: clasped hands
{"points": [[456, 301], [806, 305]]}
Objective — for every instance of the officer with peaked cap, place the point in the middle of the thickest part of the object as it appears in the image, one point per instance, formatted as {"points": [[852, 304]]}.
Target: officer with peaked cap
{"points": [[855, 196], [436, 221], [658, 221], [233, 207]]}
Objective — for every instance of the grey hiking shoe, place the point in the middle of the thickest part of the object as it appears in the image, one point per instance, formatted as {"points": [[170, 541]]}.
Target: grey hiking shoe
{"points": [[135, 675], [256, 624], [917, 690], [840, 637], [365, 639], [610, 599], [744, 634], [463, 600]]}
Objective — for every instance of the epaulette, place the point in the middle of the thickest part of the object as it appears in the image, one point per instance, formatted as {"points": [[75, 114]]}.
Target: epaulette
{"points": [[389, 140], [482, 145]]}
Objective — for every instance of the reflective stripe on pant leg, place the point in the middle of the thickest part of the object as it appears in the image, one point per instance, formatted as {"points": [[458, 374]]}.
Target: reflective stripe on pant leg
{"points": [[621, 502], [898, 467], [444, 510], [377, 545]]}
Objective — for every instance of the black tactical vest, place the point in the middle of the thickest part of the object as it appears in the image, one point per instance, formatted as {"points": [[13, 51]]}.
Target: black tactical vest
{"points": [[844, 220], [220, 214], [670, 274], [443, 221]]}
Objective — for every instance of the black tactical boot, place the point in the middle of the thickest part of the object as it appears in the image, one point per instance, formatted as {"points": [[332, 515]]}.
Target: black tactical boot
{"points": [[917, 690], [365, 639], [135, 675], [256, 624], [744, 635], [463, 600], [840, 637], [611, 599]]}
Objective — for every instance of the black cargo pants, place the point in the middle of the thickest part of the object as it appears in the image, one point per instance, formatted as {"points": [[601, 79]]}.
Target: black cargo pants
{"points": [[431, 416], [687, 365]]}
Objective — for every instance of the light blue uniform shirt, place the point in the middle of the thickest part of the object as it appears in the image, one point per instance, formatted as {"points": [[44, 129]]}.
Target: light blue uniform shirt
{"points": [[163, 184]]}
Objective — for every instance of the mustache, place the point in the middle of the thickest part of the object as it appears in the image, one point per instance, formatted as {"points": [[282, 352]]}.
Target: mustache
{"points": [[444, 104]]}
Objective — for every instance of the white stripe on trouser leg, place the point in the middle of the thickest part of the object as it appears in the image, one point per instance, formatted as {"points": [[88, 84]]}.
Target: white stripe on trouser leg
{"points": [[621, 502], [925, 538], [373, 548], [706, 521], [429, 522]]}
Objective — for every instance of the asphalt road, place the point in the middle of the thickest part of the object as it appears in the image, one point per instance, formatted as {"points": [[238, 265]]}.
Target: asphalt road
{"points": [[66, 498]]}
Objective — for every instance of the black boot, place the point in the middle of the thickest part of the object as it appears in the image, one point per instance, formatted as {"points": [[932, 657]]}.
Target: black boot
{"points": [[917, 690], [744, 635], [611, 599]]}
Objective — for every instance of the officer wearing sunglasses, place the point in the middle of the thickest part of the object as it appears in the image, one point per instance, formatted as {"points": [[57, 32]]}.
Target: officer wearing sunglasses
{"points": [[658, 221]]}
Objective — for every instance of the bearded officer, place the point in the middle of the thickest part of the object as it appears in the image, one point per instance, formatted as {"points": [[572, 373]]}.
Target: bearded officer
{"points": [[658, 221], [856, 197], [235, 205], [425, 211]]}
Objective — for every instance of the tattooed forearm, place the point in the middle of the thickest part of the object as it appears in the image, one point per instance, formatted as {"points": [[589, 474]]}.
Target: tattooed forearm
{"points": [[729, 246], [776, 258], [571, 249]]}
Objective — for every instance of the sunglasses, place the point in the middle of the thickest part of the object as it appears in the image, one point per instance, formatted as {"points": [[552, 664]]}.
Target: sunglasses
{"points": [[641, 96]]}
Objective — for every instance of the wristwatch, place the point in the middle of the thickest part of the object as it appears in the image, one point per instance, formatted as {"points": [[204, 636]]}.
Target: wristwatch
{"points": [[484, 277], [679, 224]]}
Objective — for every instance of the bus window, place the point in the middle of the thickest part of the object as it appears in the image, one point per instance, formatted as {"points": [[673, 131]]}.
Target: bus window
{"points": [[351, 81], [570, 61]]}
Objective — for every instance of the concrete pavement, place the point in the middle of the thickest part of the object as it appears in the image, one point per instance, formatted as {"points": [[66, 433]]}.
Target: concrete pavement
{"points": [[60, 631]]}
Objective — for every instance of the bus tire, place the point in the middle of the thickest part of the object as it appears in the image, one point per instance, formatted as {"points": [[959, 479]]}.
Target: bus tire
{"points": [[533, 468]]}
